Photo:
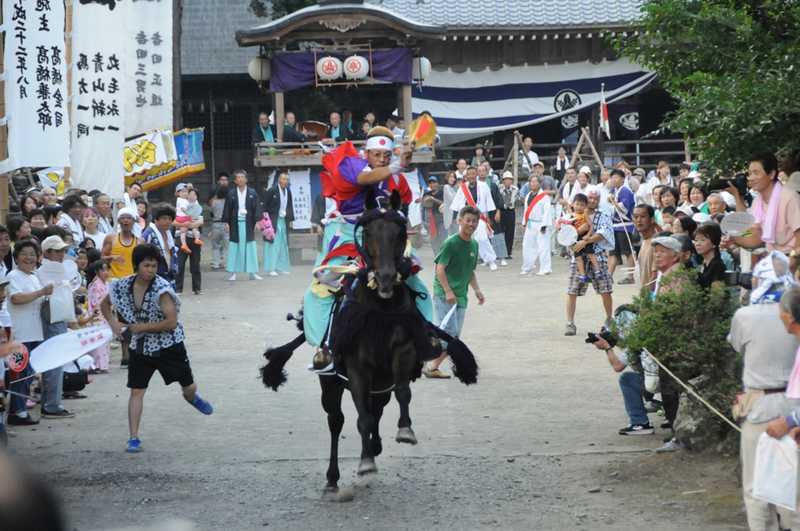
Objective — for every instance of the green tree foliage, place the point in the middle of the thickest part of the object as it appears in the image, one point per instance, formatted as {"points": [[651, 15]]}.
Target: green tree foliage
{"points": [[277, 8], [687, 331], [734, 68]]}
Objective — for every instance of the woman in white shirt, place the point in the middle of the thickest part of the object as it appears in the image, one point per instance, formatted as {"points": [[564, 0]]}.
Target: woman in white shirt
{"points": [[25, 295]]}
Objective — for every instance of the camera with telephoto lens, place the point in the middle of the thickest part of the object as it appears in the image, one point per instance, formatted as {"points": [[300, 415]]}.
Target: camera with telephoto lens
{"points": [[738, 181], [606, 334]]}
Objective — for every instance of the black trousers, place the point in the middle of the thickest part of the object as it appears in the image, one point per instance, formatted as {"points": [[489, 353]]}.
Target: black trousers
{"points": [[508, 220], [194, 266]]}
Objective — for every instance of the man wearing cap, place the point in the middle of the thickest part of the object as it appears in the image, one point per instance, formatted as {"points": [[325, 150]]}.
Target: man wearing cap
{"points": [[64, 277], [350, 180], [509, 196], [537, 221], [602, 238], [478, 195], [432, 201]]}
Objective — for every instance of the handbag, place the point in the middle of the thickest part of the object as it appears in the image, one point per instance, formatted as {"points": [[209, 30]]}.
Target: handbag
{"points": [[265, 226]]}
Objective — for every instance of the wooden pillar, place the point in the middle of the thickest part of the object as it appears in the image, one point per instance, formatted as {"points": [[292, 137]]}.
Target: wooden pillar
{"points": [[177, 99], [3, 130], [279, 114], [405, 108]]}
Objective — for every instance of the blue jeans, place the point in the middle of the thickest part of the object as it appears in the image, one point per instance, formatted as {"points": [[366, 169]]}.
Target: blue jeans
{"points": [[456, 322], [53, 380], [630, 383], [24, 387]]}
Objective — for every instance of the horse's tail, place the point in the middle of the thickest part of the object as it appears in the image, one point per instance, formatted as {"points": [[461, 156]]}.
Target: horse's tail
{"points": [[273, 374], [465, 367]]}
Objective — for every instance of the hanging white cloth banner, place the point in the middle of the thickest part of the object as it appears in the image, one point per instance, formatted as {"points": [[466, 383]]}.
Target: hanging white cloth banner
{"points": [[148, 65], [98, 96], [415, 208], [35, 84], [516, 96], [300, 185]]}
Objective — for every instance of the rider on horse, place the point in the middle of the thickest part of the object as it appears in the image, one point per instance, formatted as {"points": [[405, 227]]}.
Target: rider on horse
{"points": [[346, 179]]}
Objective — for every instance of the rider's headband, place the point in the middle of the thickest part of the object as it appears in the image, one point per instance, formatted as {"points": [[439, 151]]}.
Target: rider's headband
{"points": [[383, 143]]}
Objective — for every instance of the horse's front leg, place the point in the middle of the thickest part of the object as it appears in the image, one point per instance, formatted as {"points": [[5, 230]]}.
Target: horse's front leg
{"points": [[379, 402], [332, 389], [404, 432], [360, 386]]}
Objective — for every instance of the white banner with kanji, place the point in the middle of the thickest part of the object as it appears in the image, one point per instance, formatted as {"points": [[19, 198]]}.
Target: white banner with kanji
{"points": [[98, 97], [300, 184], [148, 65], [36, 84]]}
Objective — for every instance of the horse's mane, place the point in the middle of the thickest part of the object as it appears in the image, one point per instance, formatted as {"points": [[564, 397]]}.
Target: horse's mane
{"points": [[366, 320]]}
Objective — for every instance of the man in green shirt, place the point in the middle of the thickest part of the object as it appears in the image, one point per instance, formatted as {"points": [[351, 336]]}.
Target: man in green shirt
{"points": [[455, 271]]}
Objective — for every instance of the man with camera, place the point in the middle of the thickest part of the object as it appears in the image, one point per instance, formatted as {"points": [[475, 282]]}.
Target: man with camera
{"points": [[630, 383], [776, 208]]}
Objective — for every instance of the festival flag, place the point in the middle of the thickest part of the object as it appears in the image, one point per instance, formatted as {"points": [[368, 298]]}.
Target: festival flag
{"points": [[605, 125]]}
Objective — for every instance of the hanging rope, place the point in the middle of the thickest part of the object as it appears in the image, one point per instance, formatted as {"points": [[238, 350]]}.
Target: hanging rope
{"points": [[693, 392]]}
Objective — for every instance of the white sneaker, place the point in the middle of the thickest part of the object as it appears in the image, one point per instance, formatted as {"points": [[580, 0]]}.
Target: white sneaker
{"points": [[542, 273], [503, 263], [253, 276], [272, 274], [523, 273], [232, 278], [493, 266], [284, 272]]}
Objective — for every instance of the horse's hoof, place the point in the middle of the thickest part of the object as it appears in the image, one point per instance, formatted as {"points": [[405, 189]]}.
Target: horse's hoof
{"points": [[367, 466], [337, 495], [406, 435]]}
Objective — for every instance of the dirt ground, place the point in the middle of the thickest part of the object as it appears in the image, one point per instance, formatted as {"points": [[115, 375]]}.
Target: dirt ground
{"points": [[533, 445]]}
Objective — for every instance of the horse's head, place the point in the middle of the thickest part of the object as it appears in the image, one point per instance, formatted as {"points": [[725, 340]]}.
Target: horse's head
{"points": [[383, 242]]}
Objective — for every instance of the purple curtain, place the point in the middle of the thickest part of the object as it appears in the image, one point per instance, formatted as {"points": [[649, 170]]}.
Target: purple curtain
{"points": [[292, 71]]}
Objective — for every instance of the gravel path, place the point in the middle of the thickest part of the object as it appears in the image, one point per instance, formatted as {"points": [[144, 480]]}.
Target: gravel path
{"points": [[532, 446]]}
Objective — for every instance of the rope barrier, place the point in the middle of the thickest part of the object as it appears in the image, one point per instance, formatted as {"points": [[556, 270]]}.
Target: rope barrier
{"points": [[693, 392]]}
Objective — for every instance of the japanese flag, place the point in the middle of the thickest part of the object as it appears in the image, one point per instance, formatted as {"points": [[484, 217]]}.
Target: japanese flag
{"points": [[605, 125]]}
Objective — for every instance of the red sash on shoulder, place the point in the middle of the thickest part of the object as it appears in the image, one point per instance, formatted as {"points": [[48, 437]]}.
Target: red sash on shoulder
{"points": [[541, 195], [471, 202]]}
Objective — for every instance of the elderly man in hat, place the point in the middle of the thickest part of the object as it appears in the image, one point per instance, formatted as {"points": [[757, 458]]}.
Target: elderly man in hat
{"points": [[509, 195], [64, 277]]}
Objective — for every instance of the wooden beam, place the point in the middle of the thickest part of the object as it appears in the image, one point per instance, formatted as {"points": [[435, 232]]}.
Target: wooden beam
{"points": [[405, 95], [279, 114]]}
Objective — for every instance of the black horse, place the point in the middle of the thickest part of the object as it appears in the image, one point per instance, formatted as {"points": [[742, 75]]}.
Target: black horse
{"points": [[379, 341]]}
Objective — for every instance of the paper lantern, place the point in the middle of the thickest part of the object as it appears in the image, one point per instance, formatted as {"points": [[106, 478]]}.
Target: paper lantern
{"points": [[329, 68], [356, 67], [259, 68], [421, 68]]}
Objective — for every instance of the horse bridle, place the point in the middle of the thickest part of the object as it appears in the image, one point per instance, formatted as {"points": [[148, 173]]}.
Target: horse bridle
{"points": [[387, 215]]}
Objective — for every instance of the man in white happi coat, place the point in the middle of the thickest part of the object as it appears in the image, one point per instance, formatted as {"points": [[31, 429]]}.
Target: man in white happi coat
{"points": [[537, 220], [477, 194]]}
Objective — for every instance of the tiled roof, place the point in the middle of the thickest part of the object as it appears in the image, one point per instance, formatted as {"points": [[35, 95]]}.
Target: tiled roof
{"points": [[520, 13], [208, 45], [209, 26]]}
